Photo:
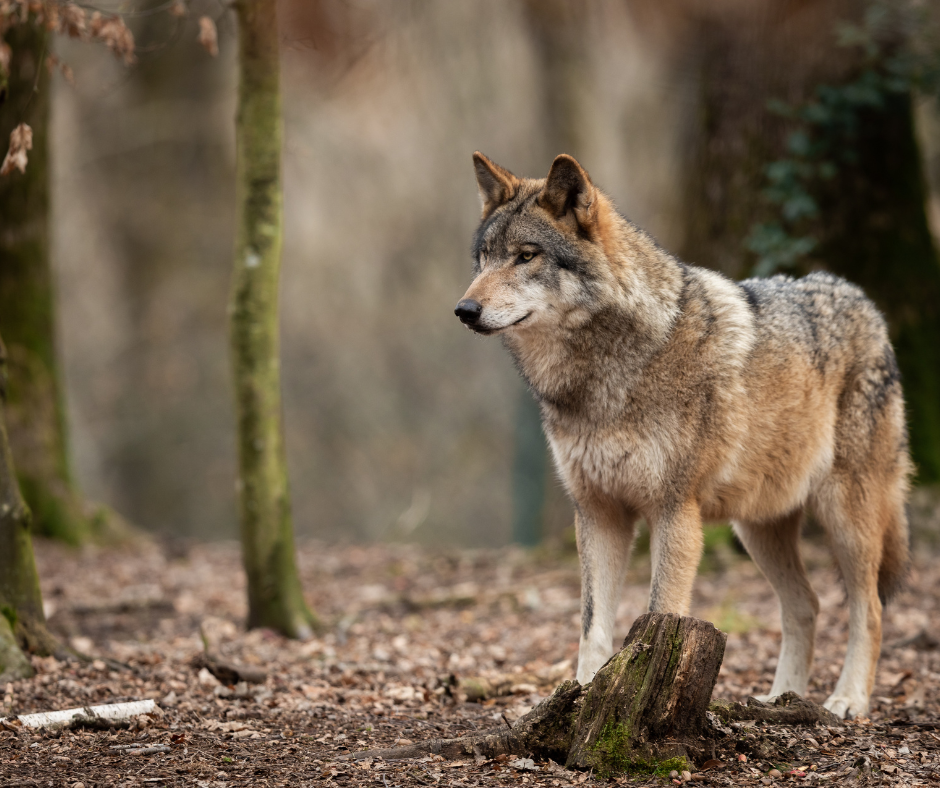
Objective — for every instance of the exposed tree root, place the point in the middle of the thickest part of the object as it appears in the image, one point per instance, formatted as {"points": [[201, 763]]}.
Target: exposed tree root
{"points": [[788, 709]]}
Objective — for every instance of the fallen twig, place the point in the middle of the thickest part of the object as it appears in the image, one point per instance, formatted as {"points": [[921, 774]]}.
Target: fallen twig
{"points": [[149, 750]]}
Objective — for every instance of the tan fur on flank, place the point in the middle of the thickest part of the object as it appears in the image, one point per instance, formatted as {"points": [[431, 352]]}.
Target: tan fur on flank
{"points": [[673, 394]]}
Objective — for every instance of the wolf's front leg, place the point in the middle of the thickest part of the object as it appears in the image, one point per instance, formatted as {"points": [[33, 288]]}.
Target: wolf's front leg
{"points": [[605, 535], [676, 549]]}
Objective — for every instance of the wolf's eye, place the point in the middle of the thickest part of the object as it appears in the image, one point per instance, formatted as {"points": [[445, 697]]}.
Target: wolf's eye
{"points": [[525, 257]]}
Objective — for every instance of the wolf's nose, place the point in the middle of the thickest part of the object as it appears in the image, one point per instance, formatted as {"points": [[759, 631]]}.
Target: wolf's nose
{"points": [[468, 310]]}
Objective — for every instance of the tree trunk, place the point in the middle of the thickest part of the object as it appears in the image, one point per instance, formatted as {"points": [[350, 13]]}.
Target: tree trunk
{"points": [[22, 623], [35, 413], [275, 598], [872, 228]]}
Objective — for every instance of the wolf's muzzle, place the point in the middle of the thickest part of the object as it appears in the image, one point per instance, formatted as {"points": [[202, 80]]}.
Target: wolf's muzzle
{"points": [[468, 311]]}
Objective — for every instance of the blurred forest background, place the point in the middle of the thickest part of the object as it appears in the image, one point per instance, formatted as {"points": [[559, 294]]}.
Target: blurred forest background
{"points": [[751, 137]]}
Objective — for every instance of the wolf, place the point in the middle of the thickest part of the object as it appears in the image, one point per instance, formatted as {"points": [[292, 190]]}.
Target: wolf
{"points": [[671, 393]]}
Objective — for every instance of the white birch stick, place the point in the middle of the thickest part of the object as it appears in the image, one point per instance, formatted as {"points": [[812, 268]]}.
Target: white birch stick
{"points": [[110, 711]]}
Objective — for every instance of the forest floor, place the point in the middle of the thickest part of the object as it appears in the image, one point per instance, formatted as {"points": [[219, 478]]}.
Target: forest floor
{"points": [[404, 627]]}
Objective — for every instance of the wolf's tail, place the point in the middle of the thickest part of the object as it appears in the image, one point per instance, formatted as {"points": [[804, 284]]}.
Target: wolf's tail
{"points": [[895, 555]]}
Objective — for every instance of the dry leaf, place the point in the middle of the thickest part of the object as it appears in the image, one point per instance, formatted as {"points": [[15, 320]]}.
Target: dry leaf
{"points": [[21, 140], [72, 20], [51, 16], [208, 36], [115, 34]]}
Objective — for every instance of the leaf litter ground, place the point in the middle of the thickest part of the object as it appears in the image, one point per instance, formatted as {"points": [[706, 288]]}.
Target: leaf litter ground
{"points": [[405, 628]]}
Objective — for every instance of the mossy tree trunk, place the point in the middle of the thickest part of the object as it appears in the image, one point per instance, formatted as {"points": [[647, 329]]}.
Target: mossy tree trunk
{"points": [[275, 598], [22, 622], [35, 414], [872, 227]]}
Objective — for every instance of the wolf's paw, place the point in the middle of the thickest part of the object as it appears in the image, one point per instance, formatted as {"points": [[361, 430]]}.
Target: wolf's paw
{"points": [[765, 698], [845, 706]]}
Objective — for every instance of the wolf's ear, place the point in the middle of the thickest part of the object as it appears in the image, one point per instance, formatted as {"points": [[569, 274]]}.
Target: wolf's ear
{"points": [[497, 186], [568, 189]]}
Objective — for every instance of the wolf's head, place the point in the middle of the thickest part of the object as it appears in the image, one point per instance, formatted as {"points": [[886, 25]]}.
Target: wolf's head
{"points": [[548, 253], [561, 275]]}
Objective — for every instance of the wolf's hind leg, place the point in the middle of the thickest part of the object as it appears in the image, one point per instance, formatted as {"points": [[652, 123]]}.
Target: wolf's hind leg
{"points": [[850, 517], [605, 536], [774, 546]]}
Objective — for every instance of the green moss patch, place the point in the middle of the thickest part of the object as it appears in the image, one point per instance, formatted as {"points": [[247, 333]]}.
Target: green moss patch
{"points": [[613, 756]]}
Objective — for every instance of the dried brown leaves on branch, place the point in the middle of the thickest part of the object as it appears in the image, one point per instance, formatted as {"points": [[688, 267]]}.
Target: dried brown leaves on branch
{"points": [[21, 140], [208, 37], [67, 18]]}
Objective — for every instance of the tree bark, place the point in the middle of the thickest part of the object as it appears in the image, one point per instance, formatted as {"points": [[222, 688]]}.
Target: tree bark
{"points": [[35, 411], [22, 621], [645, 712], [648, 702], [275, 598]]}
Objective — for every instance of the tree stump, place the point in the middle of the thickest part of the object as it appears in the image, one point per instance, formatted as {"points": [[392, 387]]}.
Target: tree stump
{"points": [[647, 705]]}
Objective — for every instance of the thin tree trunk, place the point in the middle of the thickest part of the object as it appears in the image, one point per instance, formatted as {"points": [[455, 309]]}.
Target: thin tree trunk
{"points": [[22, 622], [35, 412], [275, 598]]}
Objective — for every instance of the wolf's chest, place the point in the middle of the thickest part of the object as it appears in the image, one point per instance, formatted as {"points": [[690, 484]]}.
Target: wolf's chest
{"points": [[615, 461]]}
